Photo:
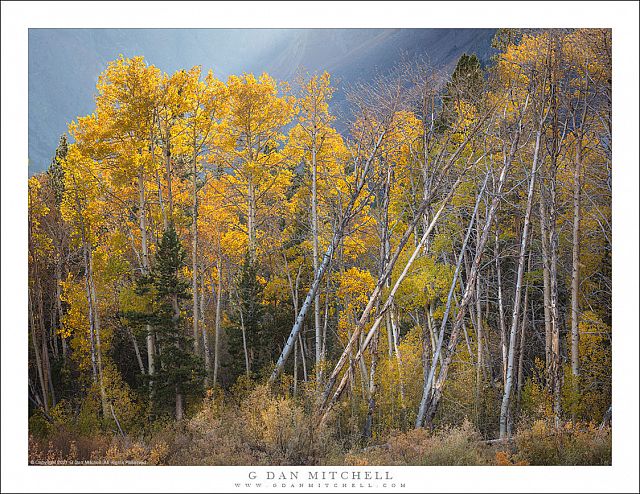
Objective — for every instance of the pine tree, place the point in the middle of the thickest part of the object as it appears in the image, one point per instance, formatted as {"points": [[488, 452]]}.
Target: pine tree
{"points": [[56, 172], [252, 350], [466, 86], [179, 370]]}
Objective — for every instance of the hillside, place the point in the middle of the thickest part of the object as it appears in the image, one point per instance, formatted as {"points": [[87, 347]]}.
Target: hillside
{"points": [[64, 64]]}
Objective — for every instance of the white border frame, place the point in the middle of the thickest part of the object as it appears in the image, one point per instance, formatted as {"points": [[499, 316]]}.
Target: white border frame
{"points": [[17, 17]]}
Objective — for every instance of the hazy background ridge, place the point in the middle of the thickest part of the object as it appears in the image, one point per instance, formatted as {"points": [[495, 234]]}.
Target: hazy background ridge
{"points": [[64, 64]]}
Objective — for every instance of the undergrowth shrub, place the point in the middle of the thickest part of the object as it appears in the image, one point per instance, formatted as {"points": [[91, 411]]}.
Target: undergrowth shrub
{"points": [[571, 444], [460, 445], [262, 429]]}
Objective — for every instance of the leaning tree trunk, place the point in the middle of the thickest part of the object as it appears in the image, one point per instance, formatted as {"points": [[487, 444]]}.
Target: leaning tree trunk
{"points": [[337, 237], [383, 309], [506, 397], [429, 403], [427, 389]]}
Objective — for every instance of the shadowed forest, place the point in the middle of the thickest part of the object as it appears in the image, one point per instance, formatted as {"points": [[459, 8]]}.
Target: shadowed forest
{"points": [[226, 273]]}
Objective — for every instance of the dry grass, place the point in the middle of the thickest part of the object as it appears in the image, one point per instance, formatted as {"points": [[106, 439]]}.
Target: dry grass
{"points": [[260, 428]]}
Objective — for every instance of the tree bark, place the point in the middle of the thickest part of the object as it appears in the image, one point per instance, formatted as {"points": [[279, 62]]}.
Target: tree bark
{"points": [[430, 402], [251, 219], [205, 335], [136, 349], [429, 381], [385, 307], [216, 344], [145, 268], [506, 397], [337, 236], [575, 263], [546, 280], [503, 329], [96, 315], [36, 351], [314, 235], [194, 255]]}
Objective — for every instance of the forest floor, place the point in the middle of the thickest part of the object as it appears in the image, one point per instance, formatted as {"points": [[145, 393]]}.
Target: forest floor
{"points": [[264, 430]]}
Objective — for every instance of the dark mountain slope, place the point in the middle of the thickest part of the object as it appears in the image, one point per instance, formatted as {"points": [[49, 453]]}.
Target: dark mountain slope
{"points": [[64, 64]]}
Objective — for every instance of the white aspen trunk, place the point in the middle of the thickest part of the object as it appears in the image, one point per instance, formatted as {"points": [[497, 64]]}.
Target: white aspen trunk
{"points": [[295, 368], [92, 344], [479, 363], [467, 340], [503, 328], [165, 219], [480, 369], [523, 330], [389, 330], [194, 257], [305, 376], [251, 219], [546, 281], [431, 328], [46, 364], [314, 234], [384, 251], [429, 402], [429, 381], [145, 266], [169, 174], [205, 336], [382, 311], [326, 321], [363, 369], [555, 370], [216, 344], [575, 264], [96, 315], [136, 349], [555, 366], [506, 397], [91, 309], [36, 351]]}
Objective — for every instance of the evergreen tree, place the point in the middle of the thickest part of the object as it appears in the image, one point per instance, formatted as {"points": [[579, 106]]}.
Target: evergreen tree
{"points": [[250, 314], [466, 85], [179, 371], [56, 172]]}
